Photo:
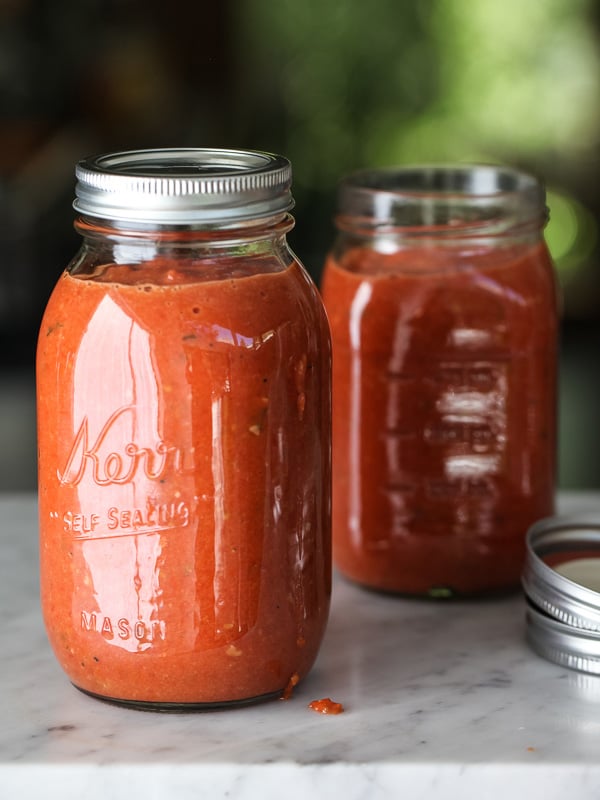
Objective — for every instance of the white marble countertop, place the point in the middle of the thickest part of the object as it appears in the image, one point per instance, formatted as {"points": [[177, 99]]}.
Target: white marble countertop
{"points": [[442, 700]]}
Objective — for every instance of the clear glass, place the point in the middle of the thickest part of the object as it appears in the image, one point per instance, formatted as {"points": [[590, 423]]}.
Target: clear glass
{"points": [[443, 307], [184, 465]]}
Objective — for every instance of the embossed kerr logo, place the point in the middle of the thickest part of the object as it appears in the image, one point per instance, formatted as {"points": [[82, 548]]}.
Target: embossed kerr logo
{"points": [[107, 465]]}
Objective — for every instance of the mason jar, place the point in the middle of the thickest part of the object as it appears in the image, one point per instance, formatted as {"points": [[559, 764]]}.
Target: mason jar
{"points": [[442, 302], [183, 395]]}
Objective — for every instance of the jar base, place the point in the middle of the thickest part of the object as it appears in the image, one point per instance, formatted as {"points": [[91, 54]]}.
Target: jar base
{"points": [[181, 708], [436, 593]]}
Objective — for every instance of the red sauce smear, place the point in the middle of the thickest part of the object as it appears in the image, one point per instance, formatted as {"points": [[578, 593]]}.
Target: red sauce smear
{"points": [[326, 706], [289, 689]]}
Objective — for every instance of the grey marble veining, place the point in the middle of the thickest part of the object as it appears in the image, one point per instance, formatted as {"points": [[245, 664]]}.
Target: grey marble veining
{"points": [[441, 700]]}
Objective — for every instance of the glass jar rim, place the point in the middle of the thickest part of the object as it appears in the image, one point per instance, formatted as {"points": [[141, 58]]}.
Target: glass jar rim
{"points": [[183, 186], [462, 198]]}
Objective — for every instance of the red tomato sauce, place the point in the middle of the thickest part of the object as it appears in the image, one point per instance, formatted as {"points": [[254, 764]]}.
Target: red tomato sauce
{"points": [[326, 706], [184, 472], [444, 427]]}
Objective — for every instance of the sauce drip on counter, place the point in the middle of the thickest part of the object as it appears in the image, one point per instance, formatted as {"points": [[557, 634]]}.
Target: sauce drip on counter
{"points": [[326, 706]]}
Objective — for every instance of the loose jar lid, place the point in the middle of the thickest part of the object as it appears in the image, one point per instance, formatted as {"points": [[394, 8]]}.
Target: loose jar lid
{"points": [[570, 647], [561, 579], [184, 186]]}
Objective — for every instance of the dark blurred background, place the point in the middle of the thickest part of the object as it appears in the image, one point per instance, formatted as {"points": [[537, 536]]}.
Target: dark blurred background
{"points": [[334, 85]]}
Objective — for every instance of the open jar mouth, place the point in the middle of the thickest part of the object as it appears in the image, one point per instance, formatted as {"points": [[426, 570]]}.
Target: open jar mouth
{"points": [[462, 200]]}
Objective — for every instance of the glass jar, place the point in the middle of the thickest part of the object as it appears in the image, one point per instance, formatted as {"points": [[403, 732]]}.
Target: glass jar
{"points": [[442, 303], [184, 435]]}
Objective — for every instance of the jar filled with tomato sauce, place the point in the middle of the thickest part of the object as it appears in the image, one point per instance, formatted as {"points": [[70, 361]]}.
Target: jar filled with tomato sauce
{"points": [[442, 302], [184, 382]]}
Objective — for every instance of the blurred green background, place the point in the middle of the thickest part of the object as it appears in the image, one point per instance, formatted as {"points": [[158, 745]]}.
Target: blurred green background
{"points": [[333, 84]]}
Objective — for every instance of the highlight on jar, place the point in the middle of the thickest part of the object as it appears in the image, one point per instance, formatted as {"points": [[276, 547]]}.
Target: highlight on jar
{"points": [[184, 412], [442, 301]]}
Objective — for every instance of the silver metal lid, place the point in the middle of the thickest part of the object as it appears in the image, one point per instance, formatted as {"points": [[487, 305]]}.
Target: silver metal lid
{"points": [[562, 644], [561, 579], [182, 186]]}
